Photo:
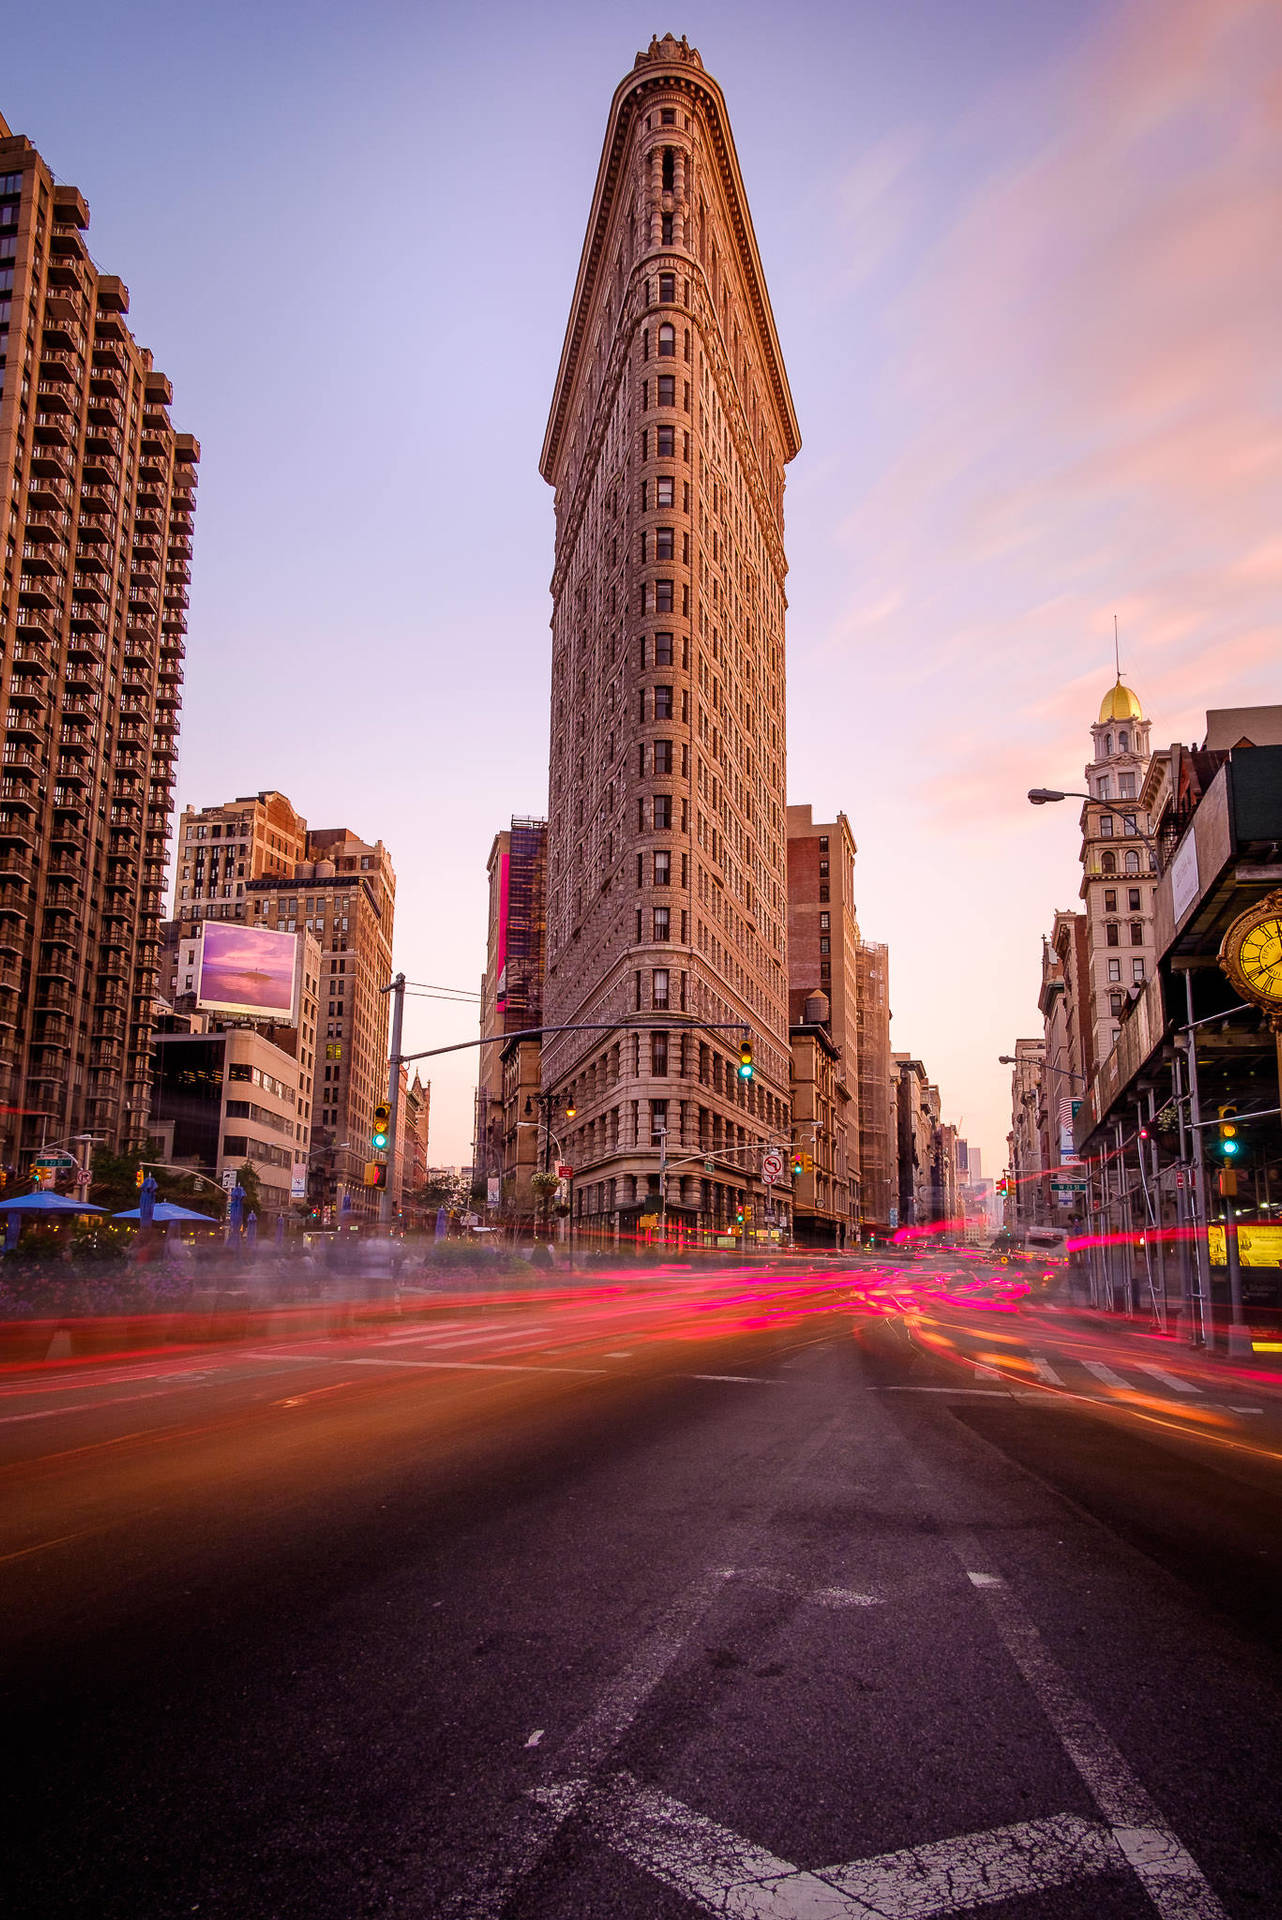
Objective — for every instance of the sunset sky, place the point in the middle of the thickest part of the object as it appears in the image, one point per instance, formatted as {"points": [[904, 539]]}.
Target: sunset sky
{"points": [[1024, 258]]}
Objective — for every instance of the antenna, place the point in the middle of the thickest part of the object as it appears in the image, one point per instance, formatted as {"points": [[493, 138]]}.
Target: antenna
{"points": [[1117, 657]]}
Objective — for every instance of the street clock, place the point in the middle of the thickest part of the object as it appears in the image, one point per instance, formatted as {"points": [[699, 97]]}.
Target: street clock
{"points": [[1251, 954]]}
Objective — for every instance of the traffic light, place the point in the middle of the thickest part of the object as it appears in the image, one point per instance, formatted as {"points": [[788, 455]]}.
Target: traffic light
{"points": [[798, 1164], [1229, 1144], [807, 1163], [738, 1216], [376, 1173], [378, 1139], [745, 1060], [139, 1177]]}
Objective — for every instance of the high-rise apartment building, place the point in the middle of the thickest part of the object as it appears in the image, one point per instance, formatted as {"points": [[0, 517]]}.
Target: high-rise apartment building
{"points": [[878, 1162], [511, 1001], [823, 957], [1118, 877], [670, 428], [221, 848], [97, 550]]}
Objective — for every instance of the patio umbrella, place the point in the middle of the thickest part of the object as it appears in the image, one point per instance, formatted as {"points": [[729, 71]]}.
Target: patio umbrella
{"points": [[167, 1210], [45, 1200]]}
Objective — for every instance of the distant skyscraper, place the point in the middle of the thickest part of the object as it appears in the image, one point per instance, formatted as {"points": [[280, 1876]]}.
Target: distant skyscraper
{"points": [[511, 1000], [823, 958], [1117, 869], [98, 524], [670, 429]]}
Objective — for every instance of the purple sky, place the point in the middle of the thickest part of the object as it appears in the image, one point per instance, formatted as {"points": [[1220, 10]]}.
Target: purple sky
{"points": [[1023, 256]]}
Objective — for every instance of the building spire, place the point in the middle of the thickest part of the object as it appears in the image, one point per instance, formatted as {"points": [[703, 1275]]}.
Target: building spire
{"points": [[1117, 656]]}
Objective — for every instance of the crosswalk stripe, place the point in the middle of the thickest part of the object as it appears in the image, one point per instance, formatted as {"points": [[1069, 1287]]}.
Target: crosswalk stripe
{"points": [[987, 1373], [1171, 1380], [1045, 1371], [1106, 1374]]}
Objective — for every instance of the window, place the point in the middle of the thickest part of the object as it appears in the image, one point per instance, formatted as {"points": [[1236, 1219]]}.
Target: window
{"points": [[1115, 1001], [662, 490], [667, 291], [1126, 786], [665, 230], [823, 843], [666, 386], [1137, 972], [1108, 743], [1114, 969], [663, 703], [663, 649], [669, 170], [1112, 934], [658, 1121], [823, 889], [663, 543], [658, 1053], [665, 442], [825, 921], [663, 869], [662, 811], [662, 921], [667, 116], [1137, 933], [659, 987], [1108, 863], [663, 596], [1106, 825], [238, 1070], [825, 943], [1133, 899], [662, 756], [1110, 899], [1128, 823], [1132, 860], [1124, 743], [1102, 786], [667, 341]]}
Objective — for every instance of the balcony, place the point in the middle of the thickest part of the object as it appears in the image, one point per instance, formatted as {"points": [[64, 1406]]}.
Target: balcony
{"points": [[55, 429], [16, 866], [55, 457], [54, 398], [50, 491], [105, 411], [42, 557], [68, 244], [35, 631], [39, 590], [102, 439]]}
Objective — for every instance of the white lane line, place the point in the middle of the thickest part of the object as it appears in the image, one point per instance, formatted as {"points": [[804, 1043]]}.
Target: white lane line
{"points": [[1106, 1374], [1170, 1876], [625, 1353], [440, 1338], [834, 1597], [535, 1737], [1246, 1409], [537, 1822], [965, 1393], [1045, 1371], [1171, 1380], [727, 1874], [466, 1366]]}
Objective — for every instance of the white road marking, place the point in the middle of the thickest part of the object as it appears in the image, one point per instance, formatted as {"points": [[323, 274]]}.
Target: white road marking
{"points": [[535, 1737], [1169, 1874], [1045, 1371], [984, 1579], [728, 1875], [624, 1354], [818, 1596], [964, 1392], [441, 1338], [1171, 1380], [1246, 1409], [1107, 1375], [986, 1373]]}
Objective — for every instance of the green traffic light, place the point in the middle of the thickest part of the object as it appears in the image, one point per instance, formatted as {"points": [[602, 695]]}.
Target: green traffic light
{"points": [[379, 1142], [1229, 1148]]}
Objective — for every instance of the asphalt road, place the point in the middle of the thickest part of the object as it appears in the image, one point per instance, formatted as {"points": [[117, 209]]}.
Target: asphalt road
{"points": [[874, 1592]]}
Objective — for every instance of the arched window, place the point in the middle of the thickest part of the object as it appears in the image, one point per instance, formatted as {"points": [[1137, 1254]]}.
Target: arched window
{"points": [[1108, 743], [667, 341], [1123, 743], [1132, 861], [1108, 863]]}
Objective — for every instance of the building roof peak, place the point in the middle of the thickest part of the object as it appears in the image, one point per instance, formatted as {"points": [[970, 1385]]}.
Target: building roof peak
{"points": [[666, 50], [1119, 703]]}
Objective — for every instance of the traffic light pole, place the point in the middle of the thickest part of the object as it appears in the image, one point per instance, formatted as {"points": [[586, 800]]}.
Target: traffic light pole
{"points": [[387, 1198]]}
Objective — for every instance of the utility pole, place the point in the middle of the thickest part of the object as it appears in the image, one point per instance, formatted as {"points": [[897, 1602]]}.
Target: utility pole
{"points": [[387, 1200]]}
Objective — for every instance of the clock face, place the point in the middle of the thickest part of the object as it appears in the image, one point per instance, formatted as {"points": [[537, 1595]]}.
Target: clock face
{"points": [[1259, 956]]}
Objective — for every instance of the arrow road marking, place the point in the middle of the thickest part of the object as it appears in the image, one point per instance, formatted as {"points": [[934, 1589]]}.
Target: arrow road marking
{"points": [[728, 1875]]}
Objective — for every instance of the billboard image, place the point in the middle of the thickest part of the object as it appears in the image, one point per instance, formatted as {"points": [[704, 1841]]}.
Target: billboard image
{"points": [[249, 970]]}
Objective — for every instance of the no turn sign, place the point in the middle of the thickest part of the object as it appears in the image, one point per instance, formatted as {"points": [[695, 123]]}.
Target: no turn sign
{"points": [[771, 1166]]}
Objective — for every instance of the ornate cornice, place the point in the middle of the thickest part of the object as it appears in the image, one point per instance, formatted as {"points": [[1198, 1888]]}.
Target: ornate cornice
{"points": [[670, 66]]}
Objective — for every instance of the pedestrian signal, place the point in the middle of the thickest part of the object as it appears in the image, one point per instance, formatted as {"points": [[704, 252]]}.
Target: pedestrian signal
{"points": [[382, 1121], [375, 1173]]}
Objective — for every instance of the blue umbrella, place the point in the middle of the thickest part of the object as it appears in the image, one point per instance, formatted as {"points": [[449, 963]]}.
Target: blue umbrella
{"points": [[344, 1208], [45, 1200], [147, 1200], [168, 1210]]}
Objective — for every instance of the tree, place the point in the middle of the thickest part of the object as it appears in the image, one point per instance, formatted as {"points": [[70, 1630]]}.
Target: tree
{"points": [[253, 1192], [114, 1182]]}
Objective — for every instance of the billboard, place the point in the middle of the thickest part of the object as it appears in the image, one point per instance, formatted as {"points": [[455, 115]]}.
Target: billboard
{"points": [[248, 970]]}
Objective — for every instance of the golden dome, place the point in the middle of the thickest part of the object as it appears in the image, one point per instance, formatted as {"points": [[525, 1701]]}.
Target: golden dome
{"points": [[1119, 703]]}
